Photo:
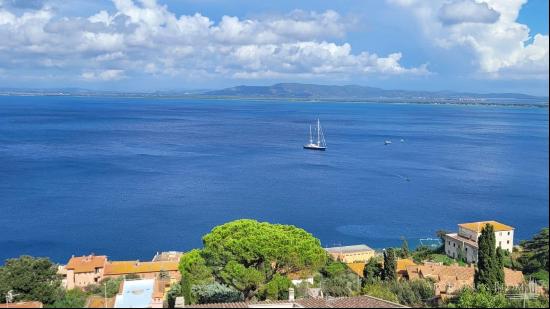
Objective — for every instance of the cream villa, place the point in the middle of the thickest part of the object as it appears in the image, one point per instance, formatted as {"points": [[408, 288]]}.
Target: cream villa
{"points": [[468, 233], [351, 254]]}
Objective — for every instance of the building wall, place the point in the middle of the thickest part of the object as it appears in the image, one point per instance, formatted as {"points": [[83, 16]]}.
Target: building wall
{"points": [[452, 248], [472, 235], [362, 256], [505, 240]]}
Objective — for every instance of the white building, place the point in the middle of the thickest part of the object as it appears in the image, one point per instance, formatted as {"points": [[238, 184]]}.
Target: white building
{"points": [[468, 234]]}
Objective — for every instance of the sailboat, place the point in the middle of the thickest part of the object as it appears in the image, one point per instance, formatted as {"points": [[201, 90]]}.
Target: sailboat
{"points": [[321, 143]]}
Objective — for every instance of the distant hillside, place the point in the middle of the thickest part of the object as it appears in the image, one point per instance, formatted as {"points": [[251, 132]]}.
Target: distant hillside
{"points": [[353, 92]]}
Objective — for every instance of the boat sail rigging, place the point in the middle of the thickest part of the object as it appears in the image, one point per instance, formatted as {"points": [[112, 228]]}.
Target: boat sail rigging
{"points": [[320, 144]]}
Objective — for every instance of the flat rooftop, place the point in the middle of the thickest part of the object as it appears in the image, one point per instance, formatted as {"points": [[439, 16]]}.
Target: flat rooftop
{"points": [[349, 249]]}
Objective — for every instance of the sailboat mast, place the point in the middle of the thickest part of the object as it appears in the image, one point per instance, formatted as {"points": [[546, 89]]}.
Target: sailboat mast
{"points": [[318, 132], [310, 136]]}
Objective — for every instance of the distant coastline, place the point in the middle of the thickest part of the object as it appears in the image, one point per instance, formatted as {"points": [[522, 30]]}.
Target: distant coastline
{"points": [[294, 92], [456, 102]]}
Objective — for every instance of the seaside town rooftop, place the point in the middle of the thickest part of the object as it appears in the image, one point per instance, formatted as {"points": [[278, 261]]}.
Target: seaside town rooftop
{"points": [[478, 226], [338, 302]]}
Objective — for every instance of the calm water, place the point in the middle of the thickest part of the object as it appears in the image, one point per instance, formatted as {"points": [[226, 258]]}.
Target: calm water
{"points": [[129, 177]]}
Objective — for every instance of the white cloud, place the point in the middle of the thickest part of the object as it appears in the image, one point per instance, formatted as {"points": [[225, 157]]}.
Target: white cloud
{"points": [[467, 11], [106, 75], [146, 38], [502, 46]]}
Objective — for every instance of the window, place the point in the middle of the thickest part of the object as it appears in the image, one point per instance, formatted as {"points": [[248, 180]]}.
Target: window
{"points": [[508, 233], [466, 249], [500, 243], [508, 242]]}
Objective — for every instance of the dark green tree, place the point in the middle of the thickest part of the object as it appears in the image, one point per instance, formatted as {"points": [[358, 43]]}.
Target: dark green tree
{"points": [[390, 265], [33, 279], [186, 288], [216, 293], [489, 273], [174, 292], [534, 256], [372, 272], [195, 266], [277, 288], [246, 254], [74, 298], [404, 248]]}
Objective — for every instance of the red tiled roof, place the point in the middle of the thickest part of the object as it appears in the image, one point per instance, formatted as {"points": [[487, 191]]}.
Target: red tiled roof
{"points": [[86, 264], [340, 302]]}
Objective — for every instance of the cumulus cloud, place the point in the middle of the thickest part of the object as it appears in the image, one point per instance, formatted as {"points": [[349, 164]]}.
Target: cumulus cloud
{"points": [[504, 48], [146, 37], [467, 11]]}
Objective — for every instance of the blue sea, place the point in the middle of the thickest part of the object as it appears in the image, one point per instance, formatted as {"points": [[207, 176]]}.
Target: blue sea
{"points": [[128, 177]]}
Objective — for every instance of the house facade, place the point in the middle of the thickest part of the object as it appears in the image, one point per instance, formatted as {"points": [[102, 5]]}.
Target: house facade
{"points": [[83, 271], [351, 254], [464, 243]]}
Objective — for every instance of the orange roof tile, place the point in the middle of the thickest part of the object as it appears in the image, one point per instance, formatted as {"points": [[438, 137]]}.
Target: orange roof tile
{"points": [[86, 264], [513, 277], [402, 264], [136, 267], [478, 226], [357, 268], [99, 302]]}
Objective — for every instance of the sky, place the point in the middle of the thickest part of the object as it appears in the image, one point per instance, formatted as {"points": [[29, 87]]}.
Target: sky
{"points": [[149, 45]]}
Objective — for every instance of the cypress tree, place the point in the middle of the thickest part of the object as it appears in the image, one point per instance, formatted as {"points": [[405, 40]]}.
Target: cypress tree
{"points": [[405, 248], [490, 272], [390, 265], [186, 288]]}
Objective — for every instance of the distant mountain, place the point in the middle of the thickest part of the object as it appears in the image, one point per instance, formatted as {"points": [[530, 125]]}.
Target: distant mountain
{"points": [[354, 92]]}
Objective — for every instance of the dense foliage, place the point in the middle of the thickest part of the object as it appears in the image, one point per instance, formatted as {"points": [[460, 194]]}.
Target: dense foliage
{"points": [[373, 271], [390, 265], [216, 293], [109, 286], [194, 265], [246, 254], [277, 288], [74, 298], [480, 298], [534, 259], [339, 281], [410, 293], [489, 272], [30, 278]]}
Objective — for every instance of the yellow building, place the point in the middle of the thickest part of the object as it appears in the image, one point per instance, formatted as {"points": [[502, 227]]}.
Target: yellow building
{"points": [[351, 254]]}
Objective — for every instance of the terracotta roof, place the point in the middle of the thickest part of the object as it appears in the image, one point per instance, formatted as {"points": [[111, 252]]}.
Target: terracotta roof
{"points": [[478, 226], [513, 277], [402, 264], [27, 304], [340, 302], [136, 267], [357, 268], [440, 272], [99, 302], [86, 264]]}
